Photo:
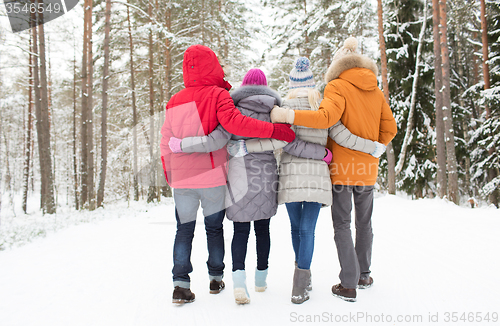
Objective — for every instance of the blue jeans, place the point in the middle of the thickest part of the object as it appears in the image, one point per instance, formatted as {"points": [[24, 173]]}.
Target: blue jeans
{"points": [[240, 242], [303, 217], [187, 202]]}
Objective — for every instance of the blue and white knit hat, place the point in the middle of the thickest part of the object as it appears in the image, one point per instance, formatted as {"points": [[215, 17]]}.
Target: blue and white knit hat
{"points": [[301, 75]]}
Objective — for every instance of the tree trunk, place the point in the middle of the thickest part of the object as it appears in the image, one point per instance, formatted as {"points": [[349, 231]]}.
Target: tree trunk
{"points": [[90, 115], [84, 152], [168, 56], [307, 50], [151, 189], [413, 102], [475, 74], [49, 92], [50, 122], [42, 124], [484, 37], [438, 85], [26, 171], [104, 130], [492, 173], [463, 87], [49, 199], [391, 159], [38, 96], [42, 117], [219, 39], [134, 109], [202, 23], [168, 68], [447, 113], [75, 169], [8, 175]]}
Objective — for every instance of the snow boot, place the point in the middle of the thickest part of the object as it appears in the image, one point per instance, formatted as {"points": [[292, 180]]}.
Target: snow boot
{"points": [[241, 295], [343, 293], [309, 284], [260, 280], [216, 286], [301, 278], [365, 283], [182, 295]]}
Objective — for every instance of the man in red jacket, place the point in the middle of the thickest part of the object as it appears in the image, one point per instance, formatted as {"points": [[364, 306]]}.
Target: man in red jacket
{"points": [[201, 177]]}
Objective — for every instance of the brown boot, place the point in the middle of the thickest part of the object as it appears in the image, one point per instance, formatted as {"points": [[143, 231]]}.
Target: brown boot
{"points": [[365, 283], [345, 294], [182, 295], [216, 286]]}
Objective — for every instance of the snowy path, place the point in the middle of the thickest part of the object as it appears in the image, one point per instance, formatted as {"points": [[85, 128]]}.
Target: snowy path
{"points": [[430, 257]]}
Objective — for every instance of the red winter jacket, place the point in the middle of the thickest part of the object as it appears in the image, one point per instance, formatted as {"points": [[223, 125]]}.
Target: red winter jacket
{"points": [[196, 111]]}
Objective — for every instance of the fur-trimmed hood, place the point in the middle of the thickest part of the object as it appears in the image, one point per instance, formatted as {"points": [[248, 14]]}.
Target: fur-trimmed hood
{"points": [[250, 90], [353, 60]]}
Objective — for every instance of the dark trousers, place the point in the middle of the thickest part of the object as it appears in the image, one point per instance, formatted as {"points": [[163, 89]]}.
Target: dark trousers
{"points": [[355, 259], [240, 242], [187, 202]]}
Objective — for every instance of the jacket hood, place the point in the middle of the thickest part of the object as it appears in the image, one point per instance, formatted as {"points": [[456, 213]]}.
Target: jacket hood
{"points": [[353, 60], [361, 78], [251, 90], [202, 68]]}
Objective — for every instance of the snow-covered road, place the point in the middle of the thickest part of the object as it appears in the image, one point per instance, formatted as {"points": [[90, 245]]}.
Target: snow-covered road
{"points": [[432, 261]]}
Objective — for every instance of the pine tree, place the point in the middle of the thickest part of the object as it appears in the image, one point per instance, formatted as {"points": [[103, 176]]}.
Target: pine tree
{"points": [[104, 139], [42, 117], [314, 29], [438, 85], [485, 157], [405, 26], [29, 128], [391, 160]]}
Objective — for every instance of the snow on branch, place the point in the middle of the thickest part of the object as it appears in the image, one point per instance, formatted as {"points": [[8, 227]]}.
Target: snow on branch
{"points": [[409, 125]]}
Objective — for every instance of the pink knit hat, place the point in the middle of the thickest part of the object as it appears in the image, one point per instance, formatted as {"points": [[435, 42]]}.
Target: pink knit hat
{"points": [[254, 77]]}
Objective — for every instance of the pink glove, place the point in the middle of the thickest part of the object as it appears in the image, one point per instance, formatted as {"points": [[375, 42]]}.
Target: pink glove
{"points": [[175, 145], [328, 157]]}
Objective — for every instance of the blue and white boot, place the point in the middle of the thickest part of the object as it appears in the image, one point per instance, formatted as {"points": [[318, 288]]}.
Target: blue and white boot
{"points": [[241, 295], [260, 280]]}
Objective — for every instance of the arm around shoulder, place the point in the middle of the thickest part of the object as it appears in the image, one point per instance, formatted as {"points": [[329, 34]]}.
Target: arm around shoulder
{"points": [[330, 111], [238, 124], [215, 140]]}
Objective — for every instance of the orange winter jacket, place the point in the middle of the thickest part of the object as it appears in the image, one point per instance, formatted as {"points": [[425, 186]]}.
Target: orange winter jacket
{"points": [[352, 95]]}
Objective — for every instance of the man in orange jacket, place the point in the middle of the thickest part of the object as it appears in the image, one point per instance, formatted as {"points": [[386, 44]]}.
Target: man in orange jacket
{"points": [[351, 95]]}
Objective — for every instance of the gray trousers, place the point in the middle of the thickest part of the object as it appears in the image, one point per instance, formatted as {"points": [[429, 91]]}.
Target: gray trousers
{"points": [[355, 259]]}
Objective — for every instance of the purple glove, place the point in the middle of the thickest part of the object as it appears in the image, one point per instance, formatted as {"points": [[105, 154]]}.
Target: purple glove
{"points": [[328, 157], [175, 145]]}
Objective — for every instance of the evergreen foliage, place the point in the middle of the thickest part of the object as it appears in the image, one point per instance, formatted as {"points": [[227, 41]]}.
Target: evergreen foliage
{"points": [[311, 28], [404, 24]]}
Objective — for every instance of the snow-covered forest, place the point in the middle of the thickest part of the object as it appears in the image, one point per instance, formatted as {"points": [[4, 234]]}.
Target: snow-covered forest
{"points": [[82, 97]]}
